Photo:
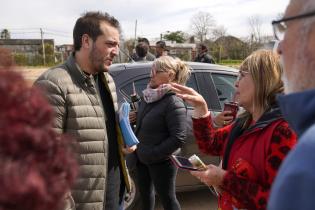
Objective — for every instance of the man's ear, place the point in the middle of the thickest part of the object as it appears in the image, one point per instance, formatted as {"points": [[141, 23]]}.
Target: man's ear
{"points": [[86, 41]]}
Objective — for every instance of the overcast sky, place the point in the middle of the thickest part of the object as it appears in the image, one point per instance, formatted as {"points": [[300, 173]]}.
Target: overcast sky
{"points": [[23, 18]]}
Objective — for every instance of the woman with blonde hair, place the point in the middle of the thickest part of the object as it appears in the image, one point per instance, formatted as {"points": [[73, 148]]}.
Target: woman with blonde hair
{"points": [[161, 130], [253, 146]]}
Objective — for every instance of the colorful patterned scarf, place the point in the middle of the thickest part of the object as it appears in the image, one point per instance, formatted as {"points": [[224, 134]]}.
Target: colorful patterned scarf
{"points": [[151, 95]]}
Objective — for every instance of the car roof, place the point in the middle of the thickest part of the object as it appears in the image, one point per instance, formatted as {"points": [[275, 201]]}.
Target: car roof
{"points": [[196, 66]]}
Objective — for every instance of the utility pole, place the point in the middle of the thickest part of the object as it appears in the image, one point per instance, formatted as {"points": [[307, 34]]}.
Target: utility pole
{"points": [[220, 51], [43, 46], [135, 34]]}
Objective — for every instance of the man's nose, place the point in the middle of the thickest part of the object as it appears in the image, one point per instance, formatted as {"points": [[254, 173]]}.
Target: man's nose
{"points": [[279, 47], [115, 51]]}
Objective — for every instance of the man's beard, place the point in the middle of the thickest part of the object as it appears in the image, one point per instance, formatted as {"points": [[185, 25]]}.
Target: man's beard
{"points": [[96, 61], [286, 84], [290, 84], [284, 78], [300, 78]]}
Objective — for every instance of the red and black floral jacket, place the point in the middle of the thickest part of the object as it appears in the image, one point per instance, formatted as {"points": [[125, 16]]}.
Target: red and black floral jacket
{"points": [[253, 160]]}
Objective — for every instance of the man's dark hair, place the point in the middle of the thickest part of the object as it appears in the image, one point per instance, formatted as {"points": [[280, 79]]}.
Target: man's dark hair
{"points": [[142, 49], [145, 40], [161, 44], [89, 23], [203, 47]]}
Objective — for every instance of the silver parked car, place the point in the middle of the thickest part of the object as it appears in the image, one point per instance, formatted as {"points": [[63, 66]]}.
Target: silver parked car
{"points": [[214, 82]]}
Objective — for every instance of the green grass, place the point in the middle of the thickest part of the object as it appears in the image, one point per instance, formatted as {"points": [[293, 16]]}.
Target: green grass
{"points": [[231, 63], [234, 62]]}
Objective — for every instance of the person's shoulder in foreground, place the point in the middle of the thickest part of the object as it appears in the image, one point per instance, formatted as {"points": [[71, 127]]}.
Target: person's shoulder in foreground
{"points": [[38, 166], [296, 178], [295, 183]]}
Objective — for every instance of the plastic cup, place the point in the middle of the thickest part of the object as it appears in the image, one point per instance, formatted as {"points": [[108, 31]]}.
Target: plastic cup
{"points": [[231, 106]]}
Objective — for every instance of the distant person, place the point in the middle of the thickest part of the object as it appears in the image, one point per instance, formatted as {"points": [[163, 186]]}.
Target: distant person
{"points": [[142, 52], [203, 55], [295, 183], [161, 130], [150, 56], [37, 166], [85, 101], [161, 49], [254, 145]]}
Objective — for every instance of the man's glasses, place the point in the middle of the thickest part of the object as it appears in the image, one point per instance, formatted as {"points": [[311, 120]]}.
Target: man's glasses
{"points": [[280, 26]]}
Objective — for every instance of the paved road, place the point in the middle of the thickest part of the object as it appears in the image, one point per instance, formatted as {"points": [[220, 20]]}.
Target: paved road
{"points": [[198, 200]]}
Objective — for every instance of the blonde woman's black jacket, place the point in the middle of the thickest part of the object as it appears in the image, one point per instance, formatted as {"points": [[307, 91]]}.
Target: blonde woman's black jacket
{"points": [[161, 128]]}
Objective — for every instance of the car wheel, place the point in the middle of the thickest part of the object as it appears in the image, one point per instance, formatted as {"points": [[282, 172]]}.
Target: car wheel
{"points": [[131, 199]]}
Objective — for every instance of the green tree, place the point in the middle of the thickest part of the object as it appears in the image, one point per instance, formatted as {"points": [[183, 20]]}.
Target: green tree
{"points": [[229, 47], [49, 53], [49, 49], [177, 36], [5, 34]]}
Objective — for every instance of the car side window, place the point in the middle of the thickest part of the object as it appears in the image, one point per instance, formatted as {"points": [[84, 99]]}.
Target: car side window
{"points": [[140, 85], [225, 87], [192, 82]]}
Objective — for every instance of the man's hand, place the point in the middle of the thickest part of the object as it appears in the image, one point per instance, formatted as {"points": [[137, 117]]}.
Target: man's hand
{"points": [[127, 150], [132, 116]]}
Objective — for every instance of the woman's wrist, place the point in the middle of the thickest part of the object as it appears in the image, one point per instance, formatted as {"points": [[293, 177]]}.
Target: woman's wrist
{"points": [[198, 115], [215, 124], [200, 112]]}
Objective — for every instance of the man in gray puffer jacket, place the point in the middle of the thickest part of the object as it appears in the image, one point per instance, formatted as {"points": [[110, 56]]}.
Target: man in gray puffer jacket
{"points": [[85, 101]]}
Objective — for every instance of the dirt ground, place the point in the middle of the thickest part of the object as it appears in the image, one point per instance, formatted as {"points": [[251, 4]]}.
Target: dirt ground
{"points": [[197, 200], [31, 73]]}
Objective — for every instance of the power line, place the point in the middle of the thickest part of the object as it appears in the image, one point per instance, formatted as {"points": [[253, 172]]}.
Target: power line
{"points": [[35, 33], [38, 30], [55, 31], [55, 34], [27, 32], [19, 29]]}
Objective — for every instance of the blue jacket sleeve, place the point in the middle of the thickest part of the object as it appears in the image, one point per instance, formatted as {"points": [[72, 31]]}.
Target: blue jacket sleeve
{"points": [[295, 184]]}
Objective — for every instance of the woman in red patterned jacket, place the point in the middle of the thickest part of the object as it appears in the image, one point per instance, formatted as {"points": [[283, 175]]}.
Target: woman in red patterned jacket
{"points": [[252, 147]]}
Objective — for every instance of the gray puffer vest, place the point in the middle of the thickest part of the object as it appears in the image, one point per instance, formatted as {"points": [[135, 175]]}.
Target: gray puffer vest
{"points": [[79, 112]]}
